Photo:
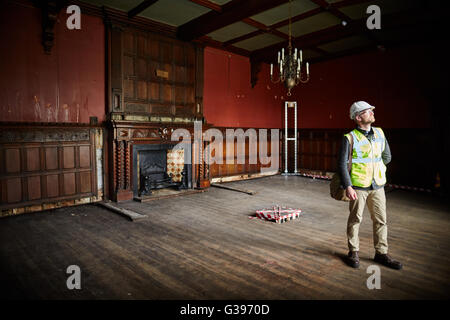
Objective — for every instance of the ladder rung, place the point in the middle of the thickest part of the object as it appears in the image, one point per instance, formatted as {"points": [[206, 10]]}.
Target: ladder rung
{"points": [[290, 138]]}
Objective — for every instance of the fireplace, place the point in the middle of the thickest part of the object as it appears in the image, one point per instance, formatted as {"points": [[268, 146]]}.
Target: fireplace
{"points": [[158, 166], [132, 139]]}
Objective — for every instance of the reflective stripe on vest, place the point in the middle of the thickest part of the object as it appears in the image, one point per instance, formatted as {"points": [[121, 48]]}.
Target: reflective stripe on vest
{"points": [[367, 164]]}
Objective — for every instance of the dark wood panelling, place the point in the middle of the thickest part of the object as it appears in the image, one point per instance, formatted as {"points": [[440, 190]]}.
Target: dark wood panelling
{"points": [[12, 157], [51, 158], [13, 190], [318, 151], [69, 157], [33, 159], [128, 66], [153, 91], [45, 163], [52, 181], [85, 182], [85, 156], [160, 76], [69, 183], [128, 88], [232, 149], [34, 187]]}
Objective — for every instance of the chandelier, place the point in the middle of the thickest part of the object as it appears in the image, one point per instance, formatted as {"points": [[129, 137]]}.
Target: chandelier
{"points": [[290, 64]]}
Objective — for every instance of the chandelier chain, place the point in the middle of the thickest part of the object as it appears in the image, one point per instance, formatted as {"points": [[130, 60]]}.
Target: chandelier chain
{"points": [[290, 26]]}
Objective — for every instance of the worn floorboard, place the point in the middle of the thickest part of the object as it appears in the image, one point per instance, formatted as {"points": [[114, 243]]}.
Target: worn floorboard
{"points": [[205, 246]]}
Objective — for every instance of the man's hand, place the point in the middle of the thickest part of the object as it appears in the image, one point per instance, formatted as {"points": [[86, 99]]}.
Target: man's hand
{"points": [[351, 193]]}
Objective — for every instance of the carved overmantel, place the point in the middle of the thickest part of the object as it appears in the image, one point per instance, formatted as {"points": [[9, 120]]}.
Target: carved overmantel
{"points": [[154, 86], [127, 133]]}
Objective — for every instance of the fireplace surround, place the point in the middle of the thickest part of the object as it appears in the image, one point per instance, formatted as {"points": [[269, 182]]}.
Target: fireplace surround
{"points": [[150, 168], [129, 138]]}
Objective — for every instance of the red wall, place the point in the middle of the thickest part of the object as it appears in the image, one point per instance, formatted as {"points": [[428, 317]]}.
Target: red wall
{"points": [[66, 86], [230, 101], [397, 81]]}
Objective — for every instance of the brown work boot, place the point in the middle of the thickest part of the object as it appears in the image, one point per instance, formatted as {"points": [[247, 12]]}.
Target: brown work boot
{"points": [[353, 259], [387, 261]]}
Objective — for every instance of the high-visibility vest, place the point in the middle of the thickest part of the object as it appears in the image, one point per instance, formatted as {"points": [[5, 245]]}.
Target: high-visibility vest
{"points": [[367, 164]]}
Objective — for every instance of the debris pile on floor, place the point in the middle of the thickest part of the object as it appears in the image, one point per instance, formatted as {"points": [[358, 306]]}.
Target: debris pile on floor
{"points": [[278, 214]]}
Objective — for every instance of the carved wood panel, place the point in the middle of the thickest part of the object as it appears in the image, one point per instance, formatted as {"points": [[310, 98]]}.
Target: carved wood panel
{"points": [[40, 165], [154, 75]]}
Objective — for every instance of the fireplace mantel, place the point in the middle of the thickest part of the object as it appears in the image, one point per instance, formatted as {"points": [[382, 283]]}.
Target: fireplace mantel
{"points": [[125, 134]]}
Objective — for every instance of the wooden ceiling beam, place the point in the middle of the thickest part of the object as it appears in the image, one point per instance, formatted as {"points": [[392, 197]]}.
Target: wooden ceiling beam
{"points": [[262, 28], [265, 28], [272, 28], [279, 34], [205, 40], [254, 34], [355, 27], [208, 4], [299, 17], [233, 11], [347, 3], [402, 19], [244, 37], [333, 10], [256, 24], [141, 7], [309, 40]]}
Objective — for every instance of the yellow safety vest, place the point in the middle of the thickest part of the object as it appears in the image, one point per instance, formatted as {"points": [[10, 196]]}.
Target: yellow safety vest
{"points": [[367, 164]]}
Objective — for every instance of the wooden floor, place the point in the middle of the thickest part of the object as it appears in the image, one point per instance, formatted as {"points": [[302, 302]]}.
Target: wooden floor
{"points": [[205, 246]]}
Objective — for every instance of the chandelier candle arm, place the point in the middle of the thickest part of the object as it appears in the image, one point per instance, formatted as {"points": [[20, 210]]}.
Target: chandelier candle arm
{"points": [[290, 70]]}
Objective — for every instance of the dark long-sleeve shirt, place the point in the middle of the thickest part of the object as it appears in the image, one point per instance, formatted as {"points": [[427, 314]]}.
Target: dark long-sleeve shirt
{"points": [[343, 160]]}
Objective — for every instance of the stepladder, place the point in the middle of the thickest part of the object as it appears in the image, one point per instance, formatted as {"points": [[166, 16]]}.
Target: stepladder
{"points": [[287, 106]]}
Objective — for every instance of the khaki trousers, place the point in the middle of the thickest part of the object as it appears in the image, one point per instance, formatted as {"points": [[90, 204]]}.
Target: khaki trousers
{"points": [[376, 203]]}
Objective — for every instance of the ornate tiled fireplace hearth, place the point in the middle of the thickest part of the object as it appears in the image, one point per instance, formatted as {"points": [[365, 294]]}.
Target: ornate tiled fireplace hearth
{"points": [[139, 162]]}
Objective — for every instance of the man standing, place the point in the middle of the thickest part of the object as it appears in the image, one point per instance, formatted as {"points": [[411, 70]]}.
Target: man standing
{"points": [[364, 184]]}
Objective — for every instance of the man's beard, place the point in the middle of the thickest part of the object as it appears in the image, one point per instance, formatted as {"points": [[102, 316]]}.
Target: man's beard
{"points": [[369, 121]]}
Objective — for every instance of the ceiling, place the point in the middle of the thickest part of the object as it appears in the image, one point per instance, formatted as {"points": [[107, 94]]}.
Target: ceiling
{"points": [[323, 29]]}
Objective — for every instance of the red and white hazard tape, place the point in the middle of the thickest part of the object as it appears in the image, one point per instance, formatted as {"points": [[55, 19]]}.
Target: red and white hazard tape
{"points": [[278, 214], [395, 186]]}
